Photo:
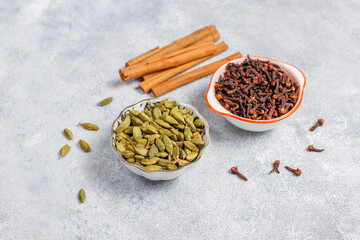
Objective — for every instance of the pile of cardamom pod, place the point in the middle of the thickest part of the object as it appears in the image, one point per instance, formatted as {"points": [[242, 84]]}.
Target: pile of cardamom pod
{"points": [[161, 137]]}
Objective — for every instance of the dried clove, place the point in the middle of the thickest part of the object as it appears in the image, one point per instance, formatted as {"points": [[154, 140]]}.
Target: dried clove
{"points": [[311, 148], [297, 171], [275, 168], [256, 90], [235, 171], [320, 122]]}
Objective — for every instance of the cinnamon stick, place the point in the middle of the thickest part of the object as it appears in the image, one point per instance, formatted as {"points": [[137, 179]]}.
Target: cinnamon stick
{"points": [[186, 78], [143, 56], [171, 72], [207, 38], [169, 60], [208, 31]]}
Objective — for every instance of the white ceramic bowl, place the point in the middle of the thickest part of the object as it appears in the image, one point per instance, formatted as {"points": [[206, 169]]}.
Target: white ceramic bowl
{"points": [[249, 124], [162, 174]]}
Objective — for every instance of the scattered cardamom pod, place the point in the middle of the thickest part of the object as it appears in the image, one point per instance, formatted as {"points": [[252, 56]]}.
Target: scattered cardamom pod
{"points": [[68, 134], [84, 145], [64, 150], [106, 101], [160, 137], [89, 126], [82, 195]]}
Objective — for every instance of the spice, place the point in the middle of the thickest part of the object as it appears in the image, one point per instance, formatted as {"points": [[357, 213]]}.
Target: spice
{"points": [[191, 76], [297, 172], [311, 148], [163, 76], [234, 170], [256, 90], [84, 145], [320, 122], [89, 126], [162, 138], [82, 195], [178, 44], [64, 150], [275, 168], [106, 101], [68, 134], [173, 59]]}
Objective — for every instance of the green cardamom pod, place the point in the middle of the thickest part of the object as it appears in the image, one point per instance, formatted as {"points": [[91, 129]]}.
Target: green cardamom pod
{"points": [[191, 157], [170, 120], [198, 123], [188, 134], [156, 113], [128, 154], [131, 160], [191, 146], [125, 124], [190, 124], [151, 129], [176, 152], [165, 132], [153, 151], [187, 151], [148, 161], [64, 150], [89, 126], [180, 126], [164, 162], [84, 145], [162, 154], [139, 157], [106, 101], [141, 151], [82, 195], [182, 163], [136, 121], [197, 142], [153, 167], [128, 130], [68, 134], [137, 133], [120, 147], [134, 112], [150, 141], [168, 144], [181, 136], [171, 167], [182, 154], [162, 123], [169, 105], [144, 117], [160, 144], [197, 136], [185, 111], [141, 143]]}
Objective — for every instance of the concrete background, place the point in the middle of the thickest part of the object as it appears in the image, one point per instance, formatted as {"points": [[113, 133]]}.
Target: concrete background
{"points": [[59, 58]]}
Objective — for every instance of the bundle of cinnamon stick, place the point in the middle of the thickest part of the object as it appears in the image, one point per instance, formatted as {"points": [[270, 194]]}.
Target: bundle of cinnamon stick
{"points": [[160, 64]]}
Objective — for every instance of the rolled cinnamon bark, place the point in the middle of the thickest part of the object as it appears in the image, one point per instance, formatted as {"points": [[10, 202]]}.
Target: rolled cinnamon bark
{"points": [[143, 56], [171, 72], [178, 44], [167, 61], [207, 38], [186, 78]]}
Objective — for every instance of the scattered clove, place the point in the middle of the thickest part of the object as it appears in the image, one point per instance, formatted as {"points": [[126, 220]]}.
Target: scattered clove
{"points": [[275, 168], [311, 148], [257, 90], [320, 122], [235, 171], [297, 172]]}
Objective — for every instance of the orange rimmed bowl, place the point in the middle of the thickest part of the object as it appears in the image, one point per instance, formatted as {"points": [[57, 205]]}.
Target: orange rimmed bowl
{"points": [[250, 124]]}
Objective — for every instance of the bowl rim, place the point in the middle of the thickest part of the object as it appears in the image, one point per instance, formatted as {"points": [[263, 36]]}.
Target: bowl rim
{"points": [[123, 160], [251, 120]]}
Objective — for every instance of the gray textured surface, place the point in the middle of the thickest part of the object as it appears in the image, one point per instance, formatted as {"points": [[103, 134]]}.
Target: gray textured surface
{"points": [[58, 59]]}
